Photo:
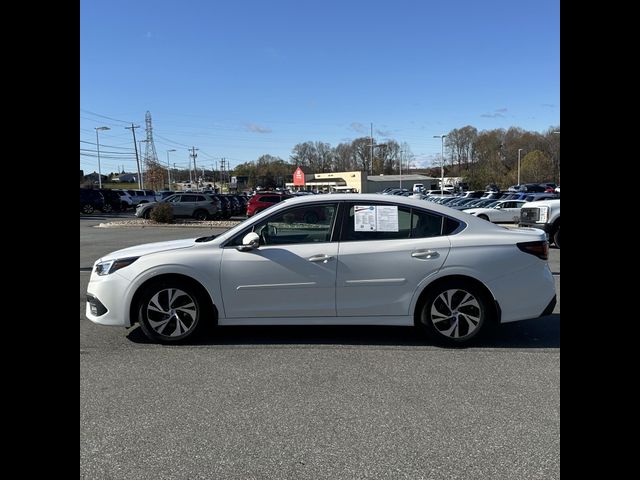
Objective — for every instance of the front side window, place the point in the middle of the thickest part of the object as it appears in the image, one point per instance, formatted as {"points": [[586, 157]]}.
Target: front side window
{"points": [[304, 224]]}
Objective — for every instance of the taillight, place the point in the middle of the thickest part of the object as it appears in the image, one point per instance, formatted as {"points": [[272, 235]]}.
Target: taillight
{"points": [[539, 248]]}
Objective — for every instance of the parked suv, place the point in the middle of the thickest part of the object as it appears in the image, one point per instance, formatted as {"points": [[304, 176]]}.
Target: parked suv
{"points": [[197, 205], [91, 200], [126, 200], [142, 196], [263, 200], [112, 200]]}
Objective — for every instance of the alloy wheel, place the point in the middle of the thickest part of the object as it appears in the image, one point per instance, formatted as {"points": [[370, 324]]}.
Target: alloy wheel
{"points": [[172, 312], [455, 313]]}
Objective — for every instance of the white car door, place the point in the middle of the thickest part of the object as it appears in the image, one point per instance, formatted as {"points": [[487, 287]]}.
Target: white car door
{"points": [[379, 271], [291, 274], [508, 213]]}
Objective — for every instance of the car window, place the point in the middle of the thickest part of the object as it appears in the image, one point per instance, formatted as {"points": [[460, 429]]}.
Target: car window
{"points": [[411, 223], [362, 224], [304, 224], [189, 198], [173, 198]]}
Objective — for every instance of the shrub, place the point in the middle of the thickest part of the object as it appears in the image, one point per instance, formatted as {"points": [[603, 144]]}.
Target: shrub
{"points": [[162, 213]]}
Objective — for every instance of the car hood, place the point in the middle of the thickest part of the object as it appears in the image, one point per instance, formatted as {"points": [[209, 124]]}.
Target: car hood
{"points": [[147, 248]]}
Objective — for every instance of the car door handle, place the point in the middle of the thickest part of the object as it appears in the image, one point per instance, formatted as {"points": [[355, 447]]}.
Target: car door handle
{"points": [[425, 254], [320, 258]]}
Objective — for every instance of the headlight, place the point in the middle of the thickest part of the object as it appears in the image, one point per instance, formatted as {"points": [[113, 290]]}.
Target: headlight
{"points": [[544, 214], [110, 266]]}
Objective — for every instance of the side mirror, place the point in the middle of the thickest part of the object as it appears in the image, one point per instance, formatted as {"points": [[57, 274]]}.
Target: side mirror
{"points": [[250, 242]]}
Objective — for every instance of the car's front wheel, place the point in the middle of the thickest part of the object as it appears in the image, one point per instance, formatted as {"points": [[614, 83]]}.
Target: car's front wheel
{"points": [[483, 216], [146, 214], [170, 311], [454, 313]]}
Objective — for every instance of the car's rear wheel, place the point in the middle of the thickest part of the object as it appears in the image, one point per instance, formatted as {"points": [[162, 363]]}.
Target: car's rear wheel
{"points": [[87, 208], [454, 313], [556, 237], [170, 311], [200, 215], [107, 208], [147, 213]]}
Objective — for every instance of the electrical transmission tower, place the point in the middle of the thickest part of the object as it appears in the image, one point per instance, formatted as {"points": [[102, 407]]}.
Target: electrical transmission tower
{"points": [[150, 155]]}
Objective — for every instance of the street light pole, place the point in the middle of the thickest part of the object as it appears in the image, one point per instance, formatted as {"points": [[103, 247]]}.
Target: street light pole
{"points": [[98, 148], [442, 164], [519, 150], [169, 166]]}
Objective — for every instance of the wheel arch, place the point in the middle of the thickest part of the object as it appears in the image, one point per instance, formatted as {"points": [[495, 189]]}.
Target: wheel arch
{"points": [[494, 306], [202, 291]]}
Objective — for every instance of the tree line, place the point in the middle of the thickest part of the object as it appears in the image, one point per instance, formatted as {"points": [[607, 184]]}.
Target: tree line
{"points": [[485, 157]]}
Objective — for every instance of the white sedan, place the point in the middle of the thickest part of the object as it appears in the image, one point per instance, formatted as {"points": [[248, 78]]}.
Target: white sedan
{"points": [[365, 260], [505, 211]]}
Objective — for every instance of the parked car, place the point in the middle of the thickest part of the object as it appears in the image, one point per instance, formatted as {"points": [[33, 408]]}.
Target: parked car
{"points": [[196, 205], [261, 201], [142, 196], [126, 201], [371, 260], [504, 211], [91, 200], [112, 201]]}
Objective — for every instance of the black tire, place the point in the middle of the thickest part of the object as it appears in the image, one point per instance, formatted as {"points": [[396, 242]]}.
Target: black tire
{"points": [[170, 311], [147, 213], [447, 322], [311, 217], [556, 237], [483, 216], [107, 208], [124, 206], [200, 215], [87, 208]]}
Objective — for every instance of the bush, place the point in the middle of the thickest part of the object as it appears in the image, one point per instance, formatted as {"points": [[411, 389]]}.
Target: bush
{"points": [[162, 213]]}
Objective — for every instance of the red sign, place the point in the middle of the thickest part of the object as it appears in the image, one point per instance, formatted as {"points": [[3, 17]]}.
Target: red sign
{"points": [[298, 177]]}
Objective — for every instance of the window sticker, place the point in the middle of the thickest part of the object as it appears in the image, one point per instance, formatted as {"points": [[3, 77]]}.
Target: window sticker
{"points": [[365, 218], [387, 218], [381, 218]]}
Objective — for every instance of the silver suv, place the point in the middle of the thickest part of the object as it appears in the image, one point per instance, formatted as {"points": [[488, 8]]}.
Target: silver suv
{"points": [[197, 205]]}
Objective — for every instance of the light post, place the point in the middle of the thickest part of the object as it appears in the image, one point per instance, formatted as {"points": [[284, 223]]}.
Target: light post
{"points": [[169, 166], [442, 164], [519, 150], [98, 148]]}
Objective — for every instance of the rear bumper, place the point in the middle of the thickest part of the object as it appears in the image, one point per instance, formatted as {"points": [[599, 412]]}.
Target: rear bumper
{"points": [[549, 309]]}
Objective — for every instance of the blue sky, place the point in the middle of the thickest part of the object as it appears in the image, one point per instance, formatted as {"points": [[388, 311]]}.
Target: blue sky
{"points": [[239, 79]]}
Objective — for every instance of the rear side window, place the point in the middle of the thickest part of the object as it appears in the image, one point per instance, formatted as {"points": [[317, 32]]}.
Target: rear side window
{"points": [[412, 223]]}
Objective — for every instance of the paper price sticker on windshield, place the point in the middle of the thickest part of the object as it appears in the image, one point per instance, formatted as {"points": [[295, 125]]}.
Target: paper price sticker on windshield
{"points": [[380, 218]]}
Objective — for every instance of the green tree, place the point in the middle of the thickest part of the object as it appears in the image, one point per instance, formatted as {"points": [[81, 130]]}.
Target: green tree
{"points": [[536, 167]]}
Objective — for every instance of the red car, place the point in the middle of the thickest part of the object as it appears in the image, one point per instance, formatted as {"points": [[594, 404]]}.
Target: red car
{"points": [[263, 200]]}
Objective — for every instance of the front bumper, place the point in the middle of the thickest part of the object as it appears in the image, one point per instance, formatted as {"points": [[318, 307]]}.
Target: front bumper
{"points": [[107, 299]]}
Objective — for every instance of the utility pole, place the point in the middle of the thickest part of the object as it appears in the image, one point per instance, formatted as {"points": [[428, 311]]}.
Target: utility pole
{"points": [[135, 145], [195, 169], [371, 148]]}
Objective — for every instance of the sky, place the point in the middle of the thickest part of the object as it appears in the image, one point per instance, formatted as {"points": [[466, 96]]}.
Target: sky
{"points": [[240, 79]]}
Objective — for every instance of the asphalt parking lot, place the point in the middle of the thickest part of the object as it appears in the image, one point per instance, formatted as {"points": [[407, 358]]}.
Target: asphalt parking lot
{"points": [[313, 402]]}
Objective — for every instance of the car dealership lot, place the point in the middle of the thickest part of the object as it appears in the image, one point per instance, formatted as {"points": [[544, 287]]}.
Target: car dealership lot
{"points": [[313, 402]]}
